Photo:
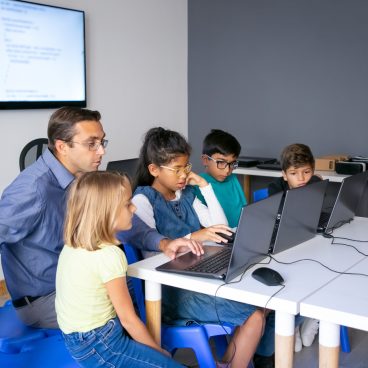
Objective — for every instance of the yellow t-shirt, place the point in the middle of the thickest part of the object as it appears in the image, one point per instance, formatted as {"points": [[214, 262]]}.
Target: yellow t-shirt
{"points": [[82, 302]]}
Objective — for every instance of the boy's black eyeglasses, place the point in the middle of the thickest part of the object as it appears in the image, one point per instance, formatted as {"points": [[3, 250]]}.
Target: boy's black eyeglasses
{"points": [[93, 146], [222, 164]]}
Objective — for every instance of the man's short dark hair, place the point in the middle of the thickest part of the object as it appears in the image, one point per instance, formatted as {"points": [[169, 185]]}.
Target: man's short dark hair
{"points": [[296, 155], [62, 122], [218, 141]]}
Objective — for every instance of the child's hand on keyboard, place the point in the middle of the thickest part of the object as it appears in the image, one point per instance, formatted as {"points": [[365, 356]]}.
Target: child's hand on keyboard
{"points": [[213, 233]]}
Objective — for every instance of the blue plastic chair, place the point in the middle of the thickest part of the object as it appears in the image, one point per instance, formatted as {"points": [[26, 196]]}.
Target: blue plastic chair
{"points": [[260, 194], [14, 334], [344, 340], [194, 336], [344, 336], [46, 353]]}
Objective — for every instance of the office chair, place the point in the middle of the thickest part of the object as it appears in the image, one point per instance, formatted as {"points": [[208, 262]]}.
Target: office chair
{"points": [[344, 336], [128, 166], [31, 152], [260, 194], [193, 336]]}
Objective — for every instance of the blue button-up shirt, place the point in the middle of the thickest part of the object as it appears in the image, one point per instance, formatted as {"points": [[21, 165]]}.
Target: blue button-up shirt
{"points": [[32, 211]]}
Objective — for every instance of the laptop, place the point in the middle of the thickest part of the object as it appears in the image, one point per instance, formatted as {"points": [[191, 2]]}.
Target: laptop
{"points": [[346, 203], [250, 161], [270, 166], [298, 216], [251, 245]]}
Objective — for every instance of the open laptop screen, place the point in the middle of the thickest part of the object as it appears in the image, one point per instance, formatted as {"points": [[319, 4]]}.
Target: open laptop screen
{"points": [[253, 235], [299, 216]]}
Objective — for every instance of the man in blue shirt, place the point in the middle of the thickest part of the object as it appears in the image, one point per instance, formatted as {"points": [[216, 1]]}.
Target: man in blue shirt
{"points": [[32, 211]]}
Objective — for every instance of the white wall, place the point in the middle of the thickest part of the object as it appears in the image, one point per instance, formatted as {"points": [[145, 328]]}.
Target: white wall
{"points": [[136, 75]]}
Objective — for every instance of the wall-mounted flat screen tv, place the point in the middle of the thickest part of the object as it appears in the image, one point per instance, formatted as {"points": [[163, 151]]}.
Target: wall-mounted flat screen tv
{"points": [[42, 56]]}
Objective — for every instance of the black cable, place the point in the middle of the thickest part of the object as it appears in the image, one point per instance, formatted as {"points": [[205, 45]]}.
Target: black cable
{"points": [[331, 229], [330, 236], [320, 263], [235, 282]]}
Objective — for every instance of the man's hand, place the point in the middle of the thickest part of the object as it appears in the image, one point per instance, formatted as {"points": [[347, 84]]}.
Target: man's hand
{"points": [[172, 247]]}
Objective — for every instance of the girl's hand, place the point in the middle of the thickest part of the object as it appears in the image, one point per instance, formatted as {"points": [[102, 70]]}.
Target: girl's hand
{"points": [[195, 179], [212, 233], [172, 247]]}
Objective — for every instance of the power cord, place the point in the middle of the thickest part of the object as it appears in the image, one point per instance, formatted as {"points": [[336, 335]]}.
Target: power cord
{"points": [[235, 282], [333, 242], [320, 263]]}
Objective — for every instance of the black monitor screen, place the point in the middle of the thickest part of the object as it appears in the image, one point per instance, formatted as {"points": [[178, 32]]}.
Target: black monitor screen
{"points": [[42, 56]]}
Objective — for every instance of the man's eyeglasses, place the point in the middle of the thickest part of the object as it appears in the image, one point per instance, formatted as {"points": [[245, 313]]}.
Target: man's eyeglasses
{"points": [[179, 171], [222, 164], [93, 146]]}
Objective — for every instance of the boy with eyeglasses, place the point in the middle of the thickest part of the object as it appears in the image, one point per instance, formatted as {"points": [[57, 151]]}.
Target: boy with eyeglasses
{"points": [[220, 154]]}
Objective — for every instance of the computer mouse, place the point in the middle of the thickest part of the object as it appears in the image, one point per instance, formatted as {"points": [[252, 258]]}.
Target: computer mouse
{"points": [[229, 238], [268, 276]]}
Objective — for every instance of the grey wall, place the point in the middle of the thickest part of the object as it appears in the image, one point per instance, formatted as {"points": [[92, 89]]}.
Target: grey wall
{"points": [[277, 72]]}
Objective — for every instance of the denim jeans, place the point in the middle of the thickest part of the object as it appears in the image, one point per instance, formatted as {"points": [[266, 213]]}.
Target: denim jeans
{"points": [[109, 346], [182, 306]]}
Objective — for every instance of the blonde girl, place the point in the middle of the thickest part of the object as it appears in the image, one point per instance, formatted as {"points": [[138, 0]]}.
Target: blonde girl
{"points": [[93, 305]]}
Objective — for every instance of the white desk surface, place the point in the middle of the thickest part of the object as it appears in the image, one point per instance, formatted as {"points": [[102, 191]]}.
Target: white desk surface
{"points": [[301, 279], [343, 301], [254, 171]]}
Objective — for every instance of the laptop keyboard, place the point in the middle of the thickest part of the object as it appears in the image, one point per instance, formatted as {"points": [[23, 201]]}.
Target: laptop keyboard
{"points": [[214, 263]]}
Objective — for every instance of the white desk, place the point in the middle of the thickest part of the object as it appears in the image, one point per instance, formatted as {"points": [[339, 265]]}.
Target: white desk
{"points": [[302, 279], [343, 301], [247, 172]]}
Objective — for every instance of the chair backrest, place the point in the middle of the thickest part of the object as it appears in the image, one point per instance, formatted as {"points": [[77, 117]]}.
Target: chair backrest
{"points": [[31, 152], [260, 194], [134, 255], [128, 166]]}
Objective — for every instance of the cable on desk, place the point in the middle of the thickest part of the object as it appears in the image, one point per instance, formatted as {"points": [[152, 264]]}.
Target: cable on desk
{"points": [[320, 263], [228, 364]]}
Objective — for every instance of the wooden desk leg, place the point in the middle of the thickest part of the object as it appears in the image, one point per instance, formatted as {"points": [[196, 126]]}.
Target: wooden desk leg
{"points": [[329, 345], [153, 309], [245, 181], [284, 340]]}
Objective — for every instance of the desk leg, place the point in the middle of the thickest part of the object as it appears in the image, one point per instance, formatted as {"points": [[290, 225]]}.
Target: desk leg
{"points": [[245, 180], [153, 309], [329, 345], [284, 340]]}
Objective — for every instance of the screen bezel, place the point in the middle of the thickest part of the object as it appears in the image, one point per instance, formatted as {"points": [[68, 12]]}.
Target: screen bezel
{"points": [[46, 104]]}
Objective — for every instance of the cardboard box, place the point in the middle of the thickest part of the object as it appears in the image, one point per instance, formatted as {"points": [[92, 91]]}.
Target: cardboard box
{"points": [[327, 163]]}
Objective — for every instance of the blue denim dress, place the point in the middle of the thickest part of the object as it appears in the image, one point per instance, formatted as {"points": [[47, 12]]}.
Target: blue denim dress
{"points": [[175, 219]]}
